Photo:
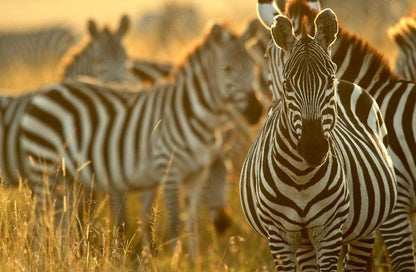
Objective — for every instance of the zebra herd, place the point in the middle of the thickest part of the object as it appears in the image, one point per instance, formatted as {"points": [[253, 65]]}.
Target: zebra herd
{"points": [[332, 164]]}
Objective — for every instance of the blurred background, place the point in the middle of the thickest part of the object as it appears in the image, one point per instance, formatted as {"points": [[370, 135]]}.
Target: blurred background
{"points": [[162, 29]]}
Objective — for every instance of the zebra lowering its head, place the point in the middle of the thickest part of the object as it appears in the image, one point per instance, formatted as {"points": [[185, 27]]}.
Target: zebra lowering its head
{"points": [[360, 63], [103, 56], [404, 35], [318, 175], [165, 135]]}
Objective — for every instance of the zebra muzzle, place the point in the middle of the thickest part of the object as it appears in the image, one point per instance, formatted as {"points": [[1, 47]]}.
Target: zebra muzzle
{"points": [[313, 146]]}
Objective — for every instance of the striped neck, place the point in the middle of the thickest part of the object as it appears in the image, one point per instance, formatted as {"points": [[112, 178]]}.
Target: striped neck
{"points": [[201, 80]]}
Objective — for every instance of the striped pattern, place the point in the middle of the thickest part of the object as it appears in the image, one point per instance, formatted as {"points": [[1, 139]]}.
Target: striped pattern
{"points": [[138, 140], [149, 72], [360, 63], [404, 35], [35, 47], [311, 183]]}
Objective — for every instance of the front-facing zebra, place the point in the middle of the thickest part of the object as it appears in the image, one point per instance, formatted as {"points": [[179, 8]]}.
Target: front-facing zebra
{"points": [[138, 140], [318, 170]]}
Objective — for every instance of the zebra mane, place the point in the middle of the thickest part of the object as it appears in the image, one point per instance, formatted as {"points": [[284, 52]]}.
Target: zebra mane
{"points": [[365, 48], [404, 30], [72, 56], [200, 45]]}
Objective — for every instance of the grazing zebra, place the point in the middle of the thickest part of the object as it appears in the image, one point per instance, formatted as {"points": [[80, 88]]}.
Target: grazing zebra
{"points": [[35, 47], [137, 140], [315, 175], [103, 56], [404, 35], [361, 64]]}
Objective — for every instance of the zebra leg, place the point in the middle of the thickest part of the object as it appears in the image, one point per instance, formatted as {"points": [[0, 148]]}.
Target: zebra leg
{"points": [[397, 233], [215, 194], [118, 208], [194, 187], [148, 198], [328, 249], [171, 197], [282, 253], [306, 258], [358, 255]]}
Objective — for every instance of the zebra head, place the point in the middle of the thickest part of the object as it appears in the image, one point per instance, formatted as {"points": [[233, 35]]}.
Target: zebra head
{"points": [[234, 70], [103, 57], [308, 93], [107, 52]]}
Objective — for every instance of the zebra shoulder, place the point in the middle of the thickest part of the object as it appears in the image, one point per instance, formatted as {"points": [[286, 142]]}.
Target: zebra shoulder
{"points": [[358, 104]]}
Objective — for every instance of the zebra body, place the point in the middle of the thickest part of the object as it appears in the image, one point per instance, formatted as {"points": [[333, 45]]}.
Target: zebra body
{"points": [[318, 156], [361, 64], [166, 134]]}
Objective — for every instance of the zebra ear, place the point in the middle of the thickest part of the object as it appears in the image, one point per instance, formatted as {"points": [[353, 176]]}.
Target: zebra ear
{"points": [[124, 25], [266, 11], [314, 4], [92, 28], [282, 33], [217, 32], [326, 28]]}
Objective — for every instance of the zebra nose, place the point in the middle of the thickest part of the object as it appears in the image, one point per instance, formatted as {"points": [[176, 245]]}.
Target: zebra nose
{"points": [[313, 146], [253, 110]]}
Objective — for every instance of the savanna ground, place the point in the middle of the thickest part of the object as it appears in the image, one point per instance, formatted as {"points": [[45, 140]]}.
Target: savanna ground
{"points": [[89, 244]]}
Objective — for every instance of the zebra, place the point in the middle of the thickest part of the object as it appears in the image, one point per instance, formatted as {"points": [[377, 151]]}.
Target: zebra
{"points": [[36, 46], [103, 56], [320, 153], [83, 61], [137, 140], [360, 63], [404, 35]]}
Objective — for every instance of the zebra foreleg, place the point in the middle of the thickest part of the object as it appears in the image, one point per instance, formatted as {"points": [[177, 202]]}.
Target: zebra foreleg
{"points": [[397, 234], [307, 259], [148, 198], [328, 249], [359, 254], [118, 208], [171, 197], [194, 186], [282, 252]]}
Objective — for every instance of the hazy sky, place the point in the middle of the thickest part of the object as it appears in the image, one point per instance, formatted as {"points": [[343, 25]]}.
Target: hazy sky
{"points": [[30, 13]]}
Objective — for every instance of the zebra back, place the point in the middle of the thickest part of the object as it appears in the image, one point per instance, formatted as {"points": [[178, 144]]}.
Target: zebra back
{"points": [[35, 47]]}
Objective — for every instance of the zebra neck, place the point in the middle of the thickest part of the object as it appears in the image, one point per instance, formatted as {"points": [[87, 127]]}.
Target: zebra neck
{"points": [[197, 81], [78, 66]]}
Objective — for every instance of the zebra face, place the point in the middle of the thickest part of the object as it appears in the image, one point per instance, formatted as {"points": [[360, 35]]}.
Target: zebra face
{"points": [[106, 52], [308, 94], [236, 75]]}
